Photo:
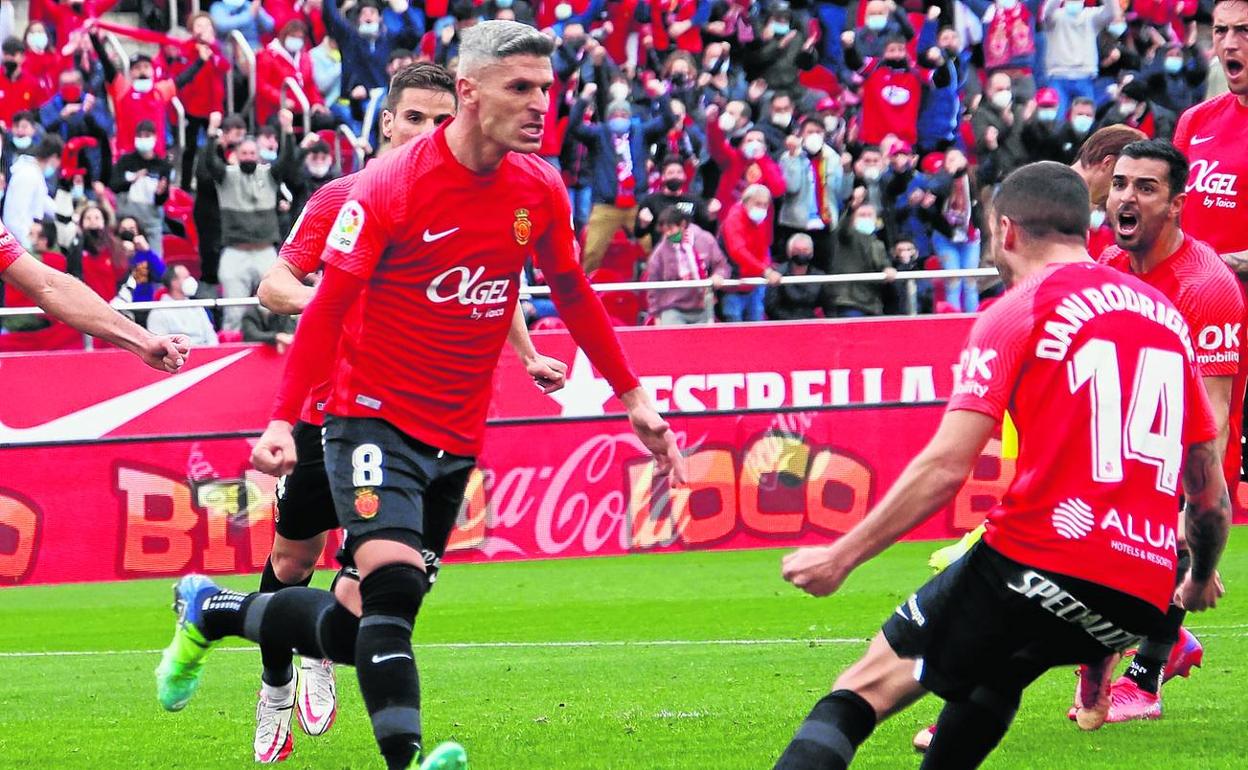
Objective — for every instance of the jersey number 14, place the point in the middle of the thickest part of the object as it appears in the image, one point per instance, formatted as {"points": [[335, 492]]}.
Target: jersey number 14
{"points": [[1156, 401]]}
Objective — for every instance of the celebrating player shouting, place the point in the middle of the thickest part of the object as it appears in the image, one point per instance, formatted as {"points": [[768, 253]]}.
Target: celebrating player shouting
{"points": [[69, 301], [421, 97], [422, 269], [1099, 372], [1146, 199]]}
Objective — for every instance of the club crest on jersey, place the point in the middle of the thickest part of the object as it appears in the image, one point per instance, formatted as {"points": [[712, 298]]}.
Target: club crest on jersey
{"points": [[366, 502], [347, 227], [522, 227]]}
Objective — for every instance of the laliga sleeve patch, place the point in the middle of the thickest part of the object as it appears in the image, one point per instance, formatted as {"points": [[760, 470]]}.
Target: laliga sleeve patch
{"points": [[347, 227]]}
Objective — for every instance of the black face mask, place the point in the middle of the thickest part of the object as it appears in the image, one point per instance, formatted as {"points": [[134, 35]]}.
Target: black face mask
{"points": [[897, 64], [679, 79], [802, 259], [673, 185], [92, 237], [575, 43], [10, 69], [248, 166]]}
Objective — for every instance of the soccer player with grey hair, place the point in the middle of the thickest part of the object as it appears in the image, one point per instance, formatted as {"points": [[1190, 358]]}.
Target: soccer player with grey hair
{"points": [[432, 240]]}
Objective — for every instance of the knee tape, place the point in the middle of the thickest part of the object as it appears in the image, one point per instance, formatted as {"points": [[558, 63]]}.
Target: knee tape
{"points": [[395, 590]]}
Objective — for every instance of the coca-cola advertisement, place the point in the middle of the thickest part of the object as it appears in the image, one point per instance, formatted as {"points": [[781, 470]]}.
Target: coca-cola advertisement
{"points": [[791, 431]]}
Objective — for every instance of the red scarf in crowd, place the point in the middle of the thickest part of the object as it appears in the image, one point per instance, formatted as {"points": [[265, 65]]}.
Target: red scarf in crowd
{"points": [[1010, 34]]}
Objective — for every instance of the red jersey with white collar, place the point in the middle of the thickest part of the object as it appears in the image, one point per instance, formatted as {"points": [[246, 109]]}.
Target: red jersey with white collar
{"points": [[1211, 300], [10, 249], [1213, 136], [1097, 369], [440, 249], [303, 248]]}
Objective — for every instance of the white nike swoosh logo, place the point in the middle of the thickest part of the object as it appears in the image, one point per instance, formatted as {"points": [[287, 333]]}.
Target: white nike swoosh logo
{"points": [[99, 419], [431, 237], [1202, 139], [384, 658]]}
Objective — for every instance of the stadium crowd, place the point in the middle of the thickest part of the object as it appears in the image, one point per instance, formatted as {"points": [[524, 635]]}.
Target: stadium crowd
{"points": [[698, 139]]}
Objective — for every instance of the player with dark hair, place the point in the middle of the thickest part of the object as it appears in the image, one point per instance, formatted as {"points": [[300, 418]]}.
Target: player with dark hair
{"points": [[1213, 136], [421, 278], [1099, 372], [1146, 199], [421, 97], [72, 302]]}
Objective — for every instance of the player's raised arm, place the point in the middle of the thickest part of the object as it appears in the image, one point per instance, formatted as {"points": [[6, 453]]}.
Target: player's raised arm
{"points": [[587, 321], [926, 486], [69, 300]]}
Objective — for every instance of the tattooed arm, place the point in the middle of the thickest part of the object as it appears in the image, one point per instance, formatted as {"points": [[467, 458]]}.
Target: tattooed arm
{"points": [[1238, 261], [1208, 514]]}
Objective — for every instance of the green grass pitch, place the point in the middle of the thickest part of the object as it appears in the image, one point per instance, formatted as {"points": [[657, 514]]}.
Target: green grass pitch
{"points": [[697, 660]]}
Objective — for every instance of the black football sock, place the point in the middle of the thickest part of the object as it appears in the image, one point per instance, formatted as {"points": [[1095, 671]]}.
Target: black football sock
{"points": [[223, 613], [276, 661], [384, 662], [1148, 667], [1149, 664], [969, 730], [827, 740], [307, 620]]}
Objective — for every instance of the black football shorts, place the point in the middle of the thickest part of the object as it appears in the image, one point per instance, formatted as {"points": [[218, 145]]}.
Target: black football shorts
{"points": [[387, 485], [305, 507], [988, 620]]}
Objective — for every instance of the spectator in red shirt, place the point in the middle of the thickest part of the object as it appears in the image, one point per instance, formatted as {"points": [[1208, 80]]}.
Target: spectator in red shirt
{"points": [[204, 94], [139, 96], [285, 57], [679, 23], [103, 257], [747, 232], [18, 90], [42, 62], [742, 165]]}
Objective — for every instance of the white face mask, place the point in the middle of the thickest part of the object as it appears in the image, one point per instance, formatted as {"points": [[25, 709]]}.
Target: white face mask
{"points": [[38, 42], [871, 173], [144, 144], [727, 122], [267, 155], [1002, 99], [563, 11], [813, 143], [618, 92], [781, 119], [143, 85], [190, 286], [1126, 108], [293, 44], [1098, 219], [319, 170], [756, 215], [370, 28], [754, 150]]}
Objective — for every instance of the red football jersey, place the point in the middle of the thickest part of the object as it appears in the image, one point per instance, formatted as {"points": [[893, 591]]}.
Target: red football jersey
{"points": [[440, 249], [1213, 135], [303, 248], [10, 249], [1097, 369], [1211, 300]]}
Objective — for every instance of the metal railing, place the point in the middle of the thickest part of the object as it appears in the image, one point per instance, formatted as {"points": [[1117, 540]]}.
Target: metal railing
{"points": [[240, 47], [123, 58], [370, 114], [305, 106], [357, 147], [543, 291], [179, 137]]}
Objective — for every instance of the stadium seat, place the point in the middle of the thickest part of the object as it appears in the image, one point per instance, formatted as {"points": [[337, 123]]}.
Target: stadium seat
{"points": [[226, 336], [549, 323], [624, 307], [58, 336], [180, 251], [179, 207]]}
